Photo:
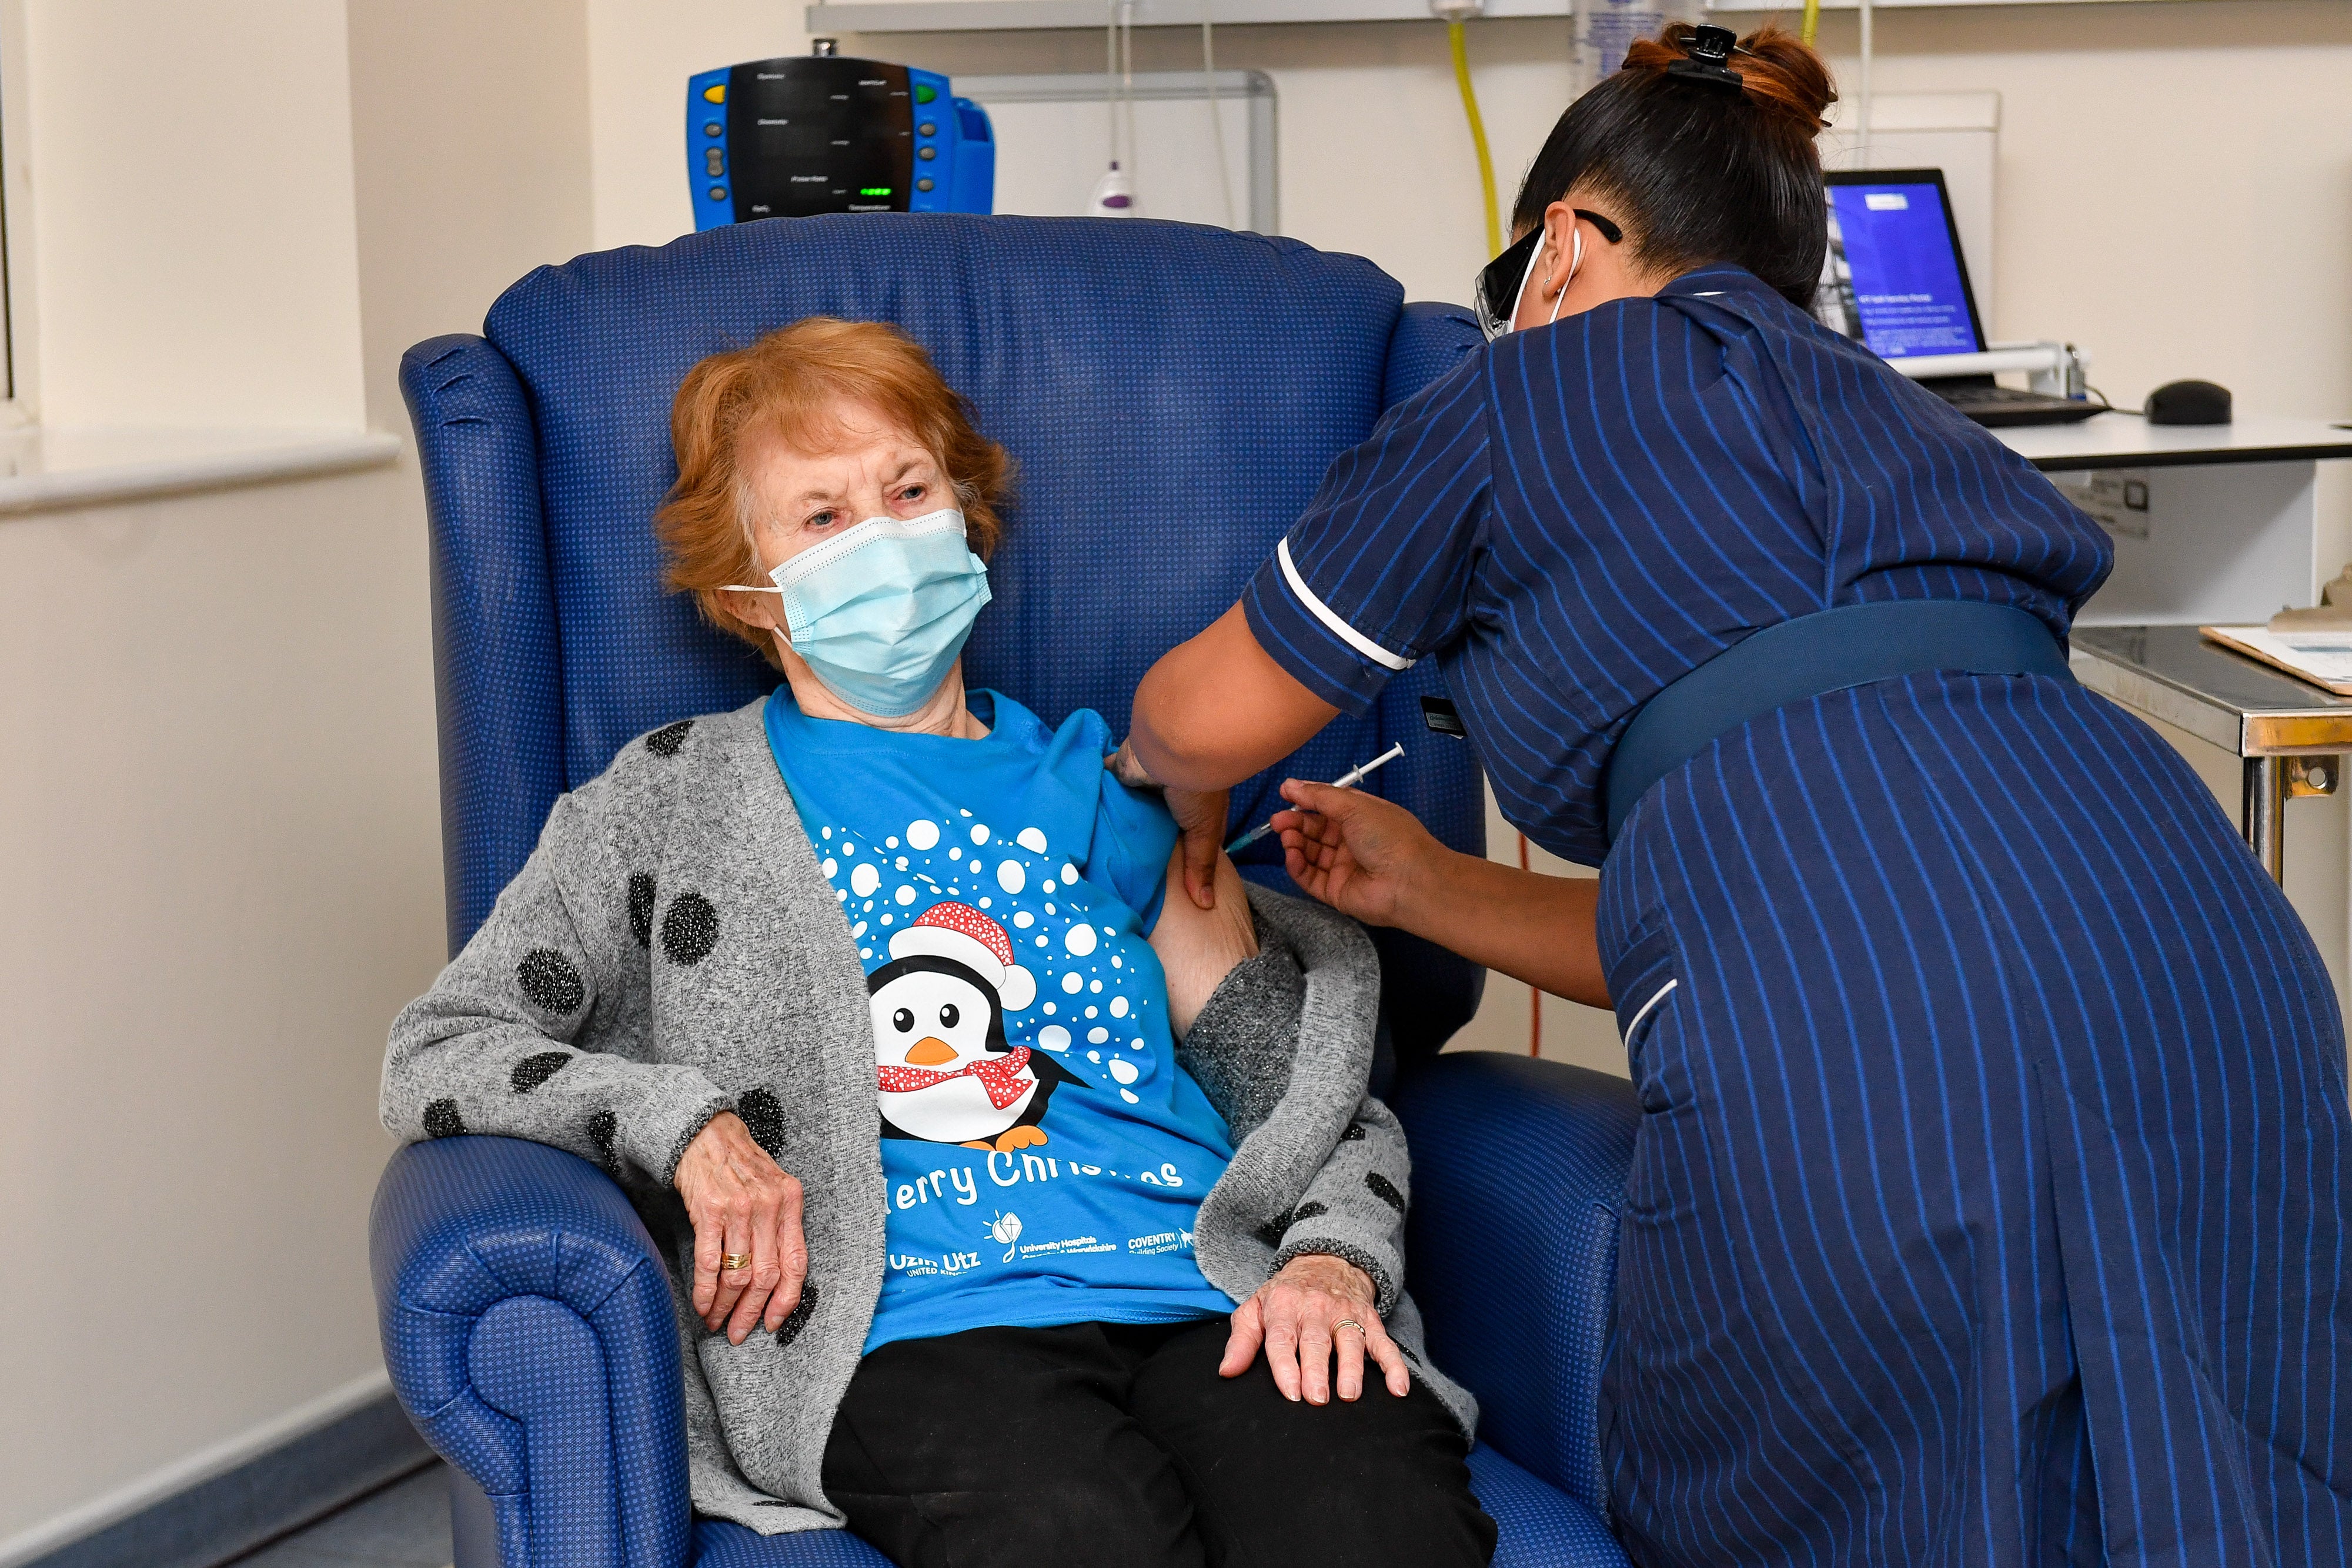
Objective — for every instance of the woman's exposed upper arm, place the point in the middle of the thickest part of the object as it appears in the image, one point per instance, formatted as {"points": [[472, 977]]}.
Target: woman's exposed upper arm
{"points": [[1199, 947]]}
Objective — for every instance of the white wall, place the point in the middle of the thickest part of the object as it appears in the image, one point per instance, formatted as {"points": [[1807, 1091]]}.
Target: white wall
{"points": [[194, 241], [219, 803], [216, 824], [640, 53], [2174, 187]]}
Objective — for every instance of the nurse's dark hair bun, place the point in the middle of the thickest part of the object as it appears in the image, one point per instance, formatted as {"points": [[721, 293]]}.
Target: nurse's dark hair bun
{"points": [[1696, 173], [1779, 74]]}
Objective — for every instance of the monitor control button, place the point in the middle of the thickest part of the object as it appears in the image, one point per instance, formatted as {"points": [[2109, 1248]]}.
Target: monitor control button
{"points": [[927, 153], [717, 94], [924, 93], [928, 129], [924, 183], [711, 128], [714, 161], [718, 192]]}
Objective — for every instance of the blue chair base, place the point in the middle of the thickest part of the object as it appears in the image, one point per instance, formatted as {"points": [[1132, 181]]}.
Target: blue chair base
{"points": [[1541, 1527]]}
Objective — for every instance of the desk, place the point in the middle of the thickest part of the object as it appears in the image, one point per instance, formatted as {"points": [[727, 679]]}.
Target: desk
{"points": [[2229, 535], [2286, 735]]}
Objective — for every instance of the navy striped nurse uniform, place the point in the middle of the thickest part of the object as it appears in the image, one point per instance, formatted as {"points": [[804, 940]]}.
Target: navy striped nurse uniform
{"points": [[1991, 1202]]}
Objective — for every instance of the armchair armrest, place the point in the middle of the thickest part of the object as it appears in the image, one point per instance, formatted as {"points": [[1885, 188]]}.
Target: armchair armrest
{"points": [[1518, 1169], [527, 1330], [495, 661]]}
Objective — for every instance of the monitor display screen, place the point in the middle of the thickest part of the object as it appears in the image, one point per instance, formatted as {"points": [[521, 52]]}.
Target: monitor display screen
{"points": [[1893, 250], [819, 134]]}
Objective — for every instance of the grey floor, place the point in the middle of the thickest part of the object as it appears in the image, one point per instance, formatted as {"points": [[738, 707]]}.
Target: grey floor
{"points": [[405, 1525]]}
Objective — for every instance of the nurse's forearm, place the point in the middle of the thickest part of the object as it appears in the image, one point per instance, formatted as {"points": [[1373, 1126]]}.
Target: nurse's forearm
{"points": [[1533, 927], [1216, 709]]}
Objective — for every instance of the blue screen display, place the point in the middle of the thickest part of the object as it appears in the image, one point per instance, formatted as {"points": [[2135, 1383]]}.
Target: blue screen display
{"points": [[1906, 278]]}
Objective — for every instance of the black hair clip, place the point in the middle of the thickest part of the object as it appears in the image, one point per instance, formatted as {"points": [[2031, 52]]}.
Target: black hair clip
{"points": [[1710, 58]]}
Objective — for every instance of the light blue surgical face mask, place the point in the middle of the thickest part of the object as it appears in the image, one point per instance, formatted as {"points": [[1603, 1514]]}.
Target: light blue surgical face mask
{"points": [[880, 611]]}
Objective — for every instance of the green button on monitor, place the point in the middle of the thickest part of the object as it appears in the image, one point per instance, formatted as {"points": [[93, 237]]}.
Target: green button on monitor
{"points": [[924, 94]]}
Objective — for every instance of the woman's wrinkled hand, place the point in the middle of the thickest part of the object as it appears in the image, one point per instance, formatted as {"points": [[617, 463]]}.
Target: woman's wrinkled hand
{"points": [[1297, 1317], [1364, 856], [741, 1202]]}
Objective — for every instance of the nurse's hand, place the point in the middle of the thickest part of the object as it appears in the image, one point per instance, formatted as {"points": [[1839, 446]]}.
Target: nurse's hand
{"points": [[1318, 1307], [1200, 824], [1200, 820], [1364, 856], [742, 1205]]}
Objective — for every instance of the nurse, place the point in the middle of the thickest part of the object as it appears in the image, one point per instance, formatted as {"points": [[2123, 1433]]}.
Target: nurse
{"points": [[1990, 1206]]}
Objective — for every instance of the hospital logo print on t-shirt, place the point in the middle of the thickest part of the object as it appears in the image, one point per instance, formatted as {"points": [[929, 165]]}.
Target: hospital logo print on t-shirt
{"points": [[983, 967]]}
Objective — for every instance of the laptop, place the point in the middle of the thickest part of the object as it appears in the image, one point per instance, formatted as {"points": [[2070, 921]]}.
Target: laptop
{"points": [[1895, 281]]}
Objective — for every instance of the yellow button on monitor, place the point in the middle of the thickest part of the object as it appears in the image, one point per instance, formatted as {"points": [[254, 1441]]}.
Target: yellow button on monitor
{"points": [[715, 94]]}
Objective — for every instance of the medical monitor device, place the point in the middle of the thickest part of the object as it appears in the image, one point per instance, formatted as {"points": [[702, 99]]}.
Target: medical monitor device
{"points": [[1897, 279], [823, 133]]}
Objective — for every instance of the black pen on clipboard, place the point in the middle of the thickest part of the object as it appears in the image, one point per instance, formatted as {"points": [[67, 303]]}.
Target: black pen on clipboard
{"points": [[1347, 780]]}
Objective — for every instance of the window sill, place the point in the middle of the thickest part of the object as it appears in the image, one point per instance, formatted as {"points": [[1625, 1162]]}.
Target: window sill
{"points": [[46, 470]]}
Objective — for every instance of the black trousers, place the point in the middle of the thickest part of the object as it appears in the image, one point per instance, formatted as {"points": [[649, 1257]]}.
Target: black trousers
{"points": [[1106, 1443]]}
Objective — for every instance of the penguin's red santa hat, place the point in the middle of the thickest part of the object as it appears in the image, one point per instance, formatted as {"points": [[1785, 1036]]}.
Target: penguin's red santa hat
{"points": [[963, 935]]}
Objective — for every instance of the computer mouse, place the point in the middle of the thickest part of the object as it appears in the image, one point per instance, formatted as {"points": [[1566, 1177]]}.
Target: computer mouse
{"points": [[2189, 402]]}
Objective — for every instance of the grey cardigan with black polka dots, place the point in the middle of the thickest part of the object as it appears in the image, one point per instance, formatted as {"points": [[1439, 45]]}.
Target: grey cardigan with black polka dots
{"points": [[672, 950]]}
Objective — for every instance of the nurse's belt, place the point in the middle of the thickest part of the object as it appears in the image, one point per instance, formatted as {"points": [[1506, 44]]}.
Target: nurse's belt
{"points": [[1813, 656]]}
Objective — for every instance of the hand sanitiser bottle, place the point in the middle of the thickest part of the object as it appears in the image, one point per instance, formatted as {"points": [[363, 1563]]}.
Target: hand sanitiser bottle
{"points": [[1603, 31], [1114, 196]]}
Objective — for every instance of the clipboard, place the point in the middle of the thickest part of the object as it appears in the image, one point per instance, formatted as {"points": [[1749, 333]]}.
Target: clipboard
{"points": [[2321, 656]]}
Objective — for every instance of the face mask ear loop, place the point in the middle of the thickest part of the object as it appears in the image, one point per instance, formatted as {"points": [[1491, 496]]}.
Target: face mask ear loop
{"points": [[1575, 260], [1510, 322]]}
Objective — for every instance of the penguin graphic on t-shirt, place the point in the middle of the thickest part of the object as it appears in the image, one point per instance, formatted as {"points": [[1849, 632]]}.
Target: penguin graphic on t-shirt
{"points": [[943, 1071]]}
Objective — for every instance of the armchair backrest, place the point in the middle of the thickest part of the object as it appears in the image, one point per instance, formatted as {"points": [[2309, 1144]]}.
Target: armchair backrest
{"points": [[1172, 395]]}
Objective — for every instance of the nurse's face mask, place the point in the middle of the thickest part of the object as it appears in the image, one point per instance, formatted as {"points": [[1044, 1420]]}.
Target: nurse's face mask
{"points": [[880, 611], [1497, 310]]}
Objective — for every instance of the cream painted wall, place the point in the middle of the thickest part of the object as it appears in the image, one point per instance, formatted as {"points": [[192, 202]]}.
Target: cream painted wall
{"points": [[194, 234], [640, 53], [2174, 190], [219, 818], [473, 166], [216, 826]]}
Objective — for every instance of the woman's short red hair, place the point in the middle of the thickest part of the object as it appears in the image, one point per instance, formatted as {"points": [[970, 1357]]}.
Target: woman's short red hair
{"points": [[794, 383]]}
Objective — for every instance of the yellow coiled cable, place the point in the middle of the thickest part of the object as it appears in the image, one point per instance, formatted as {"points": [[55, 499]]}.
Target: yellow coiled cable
{"points": [[1478, 137]]}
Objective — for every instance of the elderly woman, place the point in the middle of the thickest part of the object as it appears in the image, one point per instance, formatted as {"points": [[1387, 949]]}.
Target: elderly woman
{"points": [[1021, 1208]]}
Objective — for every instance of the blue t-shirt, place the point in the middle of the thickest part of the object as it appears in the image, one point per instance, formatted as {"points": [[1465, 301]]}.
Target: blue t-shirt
{"points": [[1043, 1157]]}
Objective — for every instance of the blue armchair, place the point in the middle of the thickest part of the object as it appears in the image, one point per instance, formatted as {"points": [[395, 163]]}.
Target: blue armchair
{"points": [[1172, 395]]}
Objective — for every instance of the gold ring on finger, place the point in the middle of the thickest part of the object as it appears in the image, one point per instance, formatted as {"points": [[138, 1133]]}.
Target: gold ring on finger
{"points": [[734, 1262], [1349, 1324]]}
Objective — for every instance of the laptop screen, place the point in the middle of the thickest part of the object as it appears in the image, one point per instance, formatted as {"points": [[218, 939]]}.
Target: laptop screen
{"points": [[1894, 278]]}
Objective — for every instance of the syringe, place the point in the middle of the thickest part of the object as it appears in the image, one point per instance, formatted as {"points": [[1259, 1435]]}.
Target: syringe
{"points": [[1347, 780]]}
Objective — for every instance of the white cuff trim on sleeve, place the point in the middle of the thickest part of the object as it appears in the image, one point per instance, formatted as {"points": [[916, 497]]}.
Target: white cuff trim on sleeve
{"points": [[1323, 613]]}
